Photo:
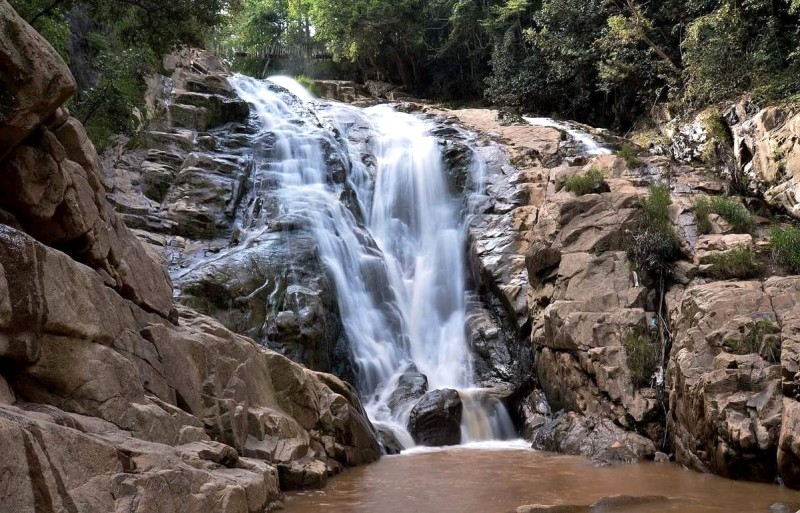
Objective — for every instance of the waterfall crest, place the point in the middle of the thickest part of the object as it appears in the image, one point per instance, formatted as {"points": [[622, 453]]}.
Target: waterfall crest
{"points": [[391, 237]]}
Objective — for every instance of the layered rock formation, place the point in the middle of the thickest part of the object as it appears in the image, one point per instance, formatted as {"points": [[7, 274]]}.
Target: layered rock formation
{"points": [[113, 398], [555, 265], [192, 193]]}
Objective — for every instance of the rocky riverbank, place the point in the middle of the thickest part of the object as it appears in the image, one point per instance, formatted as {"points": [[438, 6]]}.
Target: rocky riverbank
{"points": [[170, 336]]}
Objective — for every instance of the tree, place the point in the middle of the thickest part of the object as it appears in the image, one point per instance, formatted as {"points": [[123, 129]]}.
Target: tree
{"points": [[112, 45]]}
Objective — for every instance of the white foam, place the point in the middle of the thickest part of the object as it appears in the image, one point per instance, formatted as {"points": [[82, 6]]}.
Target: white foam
{"points": [[488, 445], [590, 145]]}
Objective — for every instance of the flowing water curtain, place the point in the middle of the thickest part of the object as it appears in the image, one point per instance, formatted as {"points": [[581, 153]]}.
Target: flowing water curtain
{"points": [[396, 259]]}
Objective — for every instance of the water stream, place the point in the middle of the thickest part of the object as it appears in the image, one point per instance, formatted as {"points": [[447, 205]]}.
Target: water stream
{"points": [[369, 184], [395, 253], [589, 144], [487, 478]]}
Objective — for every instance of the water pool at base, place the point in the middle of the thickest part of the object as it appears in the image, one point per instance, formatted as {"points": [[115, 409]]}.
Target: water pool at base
{"points": [[490, 479]]}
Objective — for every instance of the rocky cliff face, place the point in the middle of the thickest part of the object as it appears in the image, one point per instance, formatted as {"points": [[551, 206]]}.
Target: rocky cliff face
{"points": [[193, 194], [113, 398], [555, 265]]}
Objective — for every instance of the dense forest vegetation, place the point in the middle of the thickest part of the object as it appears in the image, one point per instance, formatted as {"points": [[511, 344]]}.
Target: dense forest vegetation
{"points": [[606, 62]]}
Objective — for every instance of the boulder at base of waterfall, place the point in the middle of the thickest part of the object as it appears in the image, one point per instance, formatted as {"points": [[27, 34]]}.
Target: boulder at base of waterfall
{"points": [[593, 437], [410, 386], [436, 419], [388, 440], [534, 412]]}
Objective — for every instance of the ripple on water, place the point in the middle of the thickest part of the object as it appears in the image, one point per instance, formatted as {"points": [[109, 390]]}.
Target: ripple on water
{"points": [[485, 479]]}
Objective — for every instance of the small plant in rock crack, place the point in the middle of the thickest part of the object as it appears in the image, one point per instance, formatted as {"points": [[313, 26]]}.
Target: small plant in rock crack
{"points": [[762, 337], [738, 263], [654, 244], [630, 155], [642, 355], [732, 211], [591, 181], [785, 242]]}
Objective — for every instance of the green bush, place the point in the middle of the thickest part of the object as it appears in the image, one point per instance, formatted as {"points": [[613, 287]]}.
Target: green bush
{"points": [[740, 219], [785, 243], [738, 263], [642, 356], [654, 244], [630, 155], [702, 209], [585, 183], [308, 83], [760, 337]]}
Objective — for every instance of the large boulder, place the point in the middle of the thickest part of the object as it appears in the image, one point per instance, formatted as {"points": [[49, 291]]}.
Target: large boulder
{"points": [[34, 81], [51, 180], [766, 148], [436, 419], [111, 397], [411, 386], [726, 372], [593, 437]]}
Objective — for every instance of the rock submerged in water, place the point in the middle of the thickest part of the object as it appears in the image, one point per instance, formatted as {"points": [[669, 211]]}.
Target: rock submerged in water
{"points": [[605, 505], [388, 440], [596, 438], [436, 419]]}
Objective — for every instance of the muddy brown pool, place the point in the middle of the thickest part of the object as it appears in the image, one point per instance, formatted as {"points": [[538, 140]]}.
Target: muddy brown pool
{"points": [[496, 480]]}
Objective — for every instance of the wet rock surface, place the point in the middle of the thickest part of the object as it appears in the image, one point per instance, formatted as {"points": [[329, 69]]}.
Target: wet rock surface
{"points": [[197, 196], [553, 266], [436, 419], [594, 437]]}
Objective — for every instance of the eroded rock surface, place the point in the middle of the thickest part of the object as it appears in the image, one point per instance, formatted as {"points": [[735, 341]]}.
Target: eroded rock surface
{"points": [[197, 196], [436, 419], [113, 398]]}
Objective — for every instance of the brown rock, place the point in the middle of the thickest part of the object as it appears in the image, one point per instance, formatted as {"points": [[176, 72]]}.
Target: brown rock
{"points": [[33, 79]]}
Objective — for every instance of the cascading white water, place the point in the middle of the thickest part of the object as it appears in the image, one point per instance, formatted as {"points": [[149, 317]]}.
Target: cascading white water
{"points": [[589, 145], [411, 241]]}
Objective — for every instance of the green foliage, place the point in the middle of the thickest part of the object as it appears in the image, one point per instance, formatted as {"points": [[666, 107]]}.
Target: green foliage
{"points": [[642, 356], [655, 208], [717, 128], [599, 61], [630, 155], [785, 243], [761, 337], [111, 46], [654, 244], [702, 211], [738, 263], [592, 180], [308, 83], [714, 48], [732, 211]]}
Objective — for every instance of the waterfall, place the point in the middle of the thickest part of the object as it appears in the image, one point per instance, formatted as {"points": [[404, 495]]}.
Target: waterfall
{"points": [[395, 253], [589, 144]]}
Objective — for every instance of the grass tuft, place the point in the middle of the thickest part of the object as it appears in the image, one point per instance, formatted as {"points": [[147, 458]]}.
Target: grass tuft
{"points": [[654, 244], [591, 181], [738, 263], [732, 211], [761, 337], [642, 357], [630, 155], [785, 243]]}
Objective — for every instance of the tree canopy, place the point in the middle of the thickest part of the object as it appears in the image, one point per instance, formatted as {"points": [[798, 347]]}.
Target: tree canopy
{"points": [[606, 62]]}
